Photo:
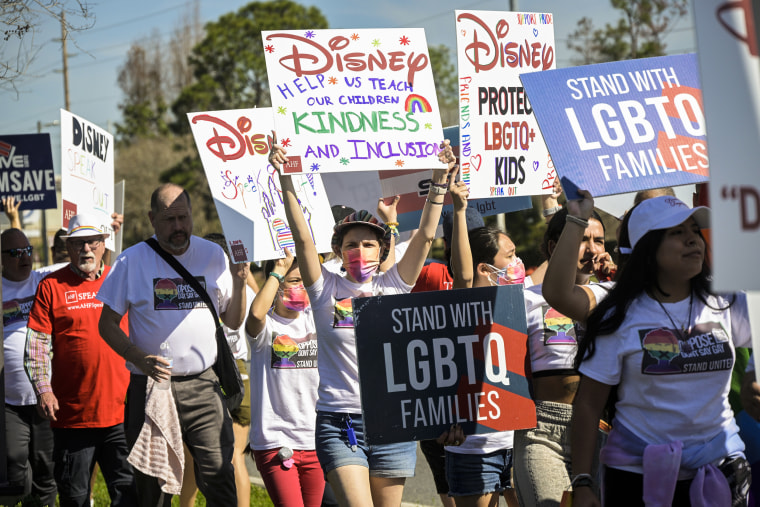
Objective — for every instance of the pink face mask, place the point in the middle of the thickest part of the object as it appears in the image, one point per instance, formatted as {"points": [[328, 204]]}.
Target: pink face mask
{"points": [[513, 273], [295, 298], [358, 266]]}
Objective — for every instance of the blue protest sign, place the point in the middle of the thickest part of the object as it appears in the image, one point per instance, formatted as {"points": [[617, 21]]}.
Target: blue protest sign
{"points": [[430, 360], [623, 126], [26, 170]]}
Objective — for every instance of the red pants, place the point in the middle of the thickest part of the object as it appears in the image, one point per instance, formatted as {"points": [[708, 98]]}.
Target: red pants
{"points": [[301, 485]]}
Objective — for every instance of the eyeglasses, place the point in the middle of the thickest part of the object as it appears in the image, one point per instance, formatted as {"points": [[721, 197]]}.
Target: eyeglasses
{"points": [[19, 252], [79, 243]]}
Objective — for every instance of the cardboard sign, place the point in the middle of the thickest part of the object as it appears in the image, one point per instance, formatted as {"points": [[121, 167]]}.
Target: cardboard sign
{"points": [[87, 155], [730, 63], [358, 189], [234, 148], [433, 359], [26, 170], [503, 153], [623, 126], [353, 100]]}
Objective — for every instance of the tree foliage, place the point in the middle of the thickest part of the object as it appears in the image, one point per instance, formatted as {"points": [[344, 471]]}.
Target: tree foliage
{"points": [[639, 33], [20, 22], [229, 64], [445, 77]]}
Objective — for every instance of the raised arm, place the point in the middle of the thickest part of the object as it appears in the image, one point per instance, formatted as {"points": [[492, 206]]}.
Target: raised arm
{"points": [[388, 214], [257, 315], [410, 265], [234, 315], [559, 287], [461, 255], [11, 211], [306, 251]]}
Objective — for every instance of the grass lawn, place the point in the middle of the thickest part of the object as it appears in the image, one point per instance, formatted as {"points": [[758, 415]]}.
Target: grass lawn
{"points": [[259, 496]]}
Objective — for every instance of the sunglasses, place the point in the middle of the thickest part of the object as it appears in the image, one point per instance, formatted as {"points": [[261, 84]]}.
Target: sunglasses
{"points": [[79, 243], [18, 252]]}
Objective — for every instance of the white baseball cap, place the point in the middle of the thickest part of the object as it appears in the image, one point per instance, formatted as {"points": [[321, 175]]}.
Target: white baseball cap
{"points": [[83, 225], [663, 212]]}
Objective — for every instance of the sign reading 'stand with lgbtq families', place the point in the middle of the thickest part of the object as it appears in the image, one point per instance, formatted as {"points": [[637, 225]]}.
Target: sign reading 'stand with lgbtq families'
{"points": [[502, 151], [26, 170], [353, 100], [729, 60], [234, 147], [87, 157], [427, 361], [623, 126]]}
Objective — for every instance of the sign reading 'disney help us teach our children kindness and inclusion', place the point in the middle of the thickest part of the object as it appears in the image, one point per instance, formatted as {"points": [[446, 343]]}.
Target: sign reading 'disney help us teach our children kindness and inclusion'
{"points": [[502, 153], [234, 147], [427, 361], [26, 170], [353, 100], [623, 126], [87, 182]]}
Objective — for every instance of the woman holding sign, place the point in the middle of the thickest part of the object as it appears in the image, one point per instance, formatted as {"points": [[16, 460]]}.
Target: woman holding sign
{"points": [[359, 474], [659, 337], [542, 454]]}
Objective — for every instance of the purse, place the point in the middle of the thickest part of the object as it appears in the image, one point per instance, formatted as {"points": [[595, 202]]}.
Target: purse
{"points": [[225, 367]]}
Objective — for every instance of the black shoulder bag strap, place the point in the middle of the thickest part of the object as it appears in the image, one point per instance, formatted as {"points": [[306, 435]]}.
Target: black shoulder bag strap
{"points": [[225, 368]]}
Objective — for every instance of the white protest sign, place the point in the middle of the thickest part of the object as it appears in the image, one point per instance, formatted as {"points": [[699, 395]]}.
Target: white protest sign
{"points": [[234, 147], [353, 100], [728, 47], [87, 155], [502, 152]]}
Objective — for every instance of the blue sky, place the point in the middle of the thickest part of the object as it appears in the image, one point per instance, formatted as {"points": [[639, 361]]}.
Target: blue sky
{"points": [[94, 93]]}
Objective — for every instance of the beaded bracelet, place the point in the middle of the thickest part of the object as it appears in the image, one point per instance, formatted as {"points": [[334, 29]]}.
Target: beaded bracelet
{"points": [[278, 276], [439, 185], [393, 228], [391, 224], [577, 221]]}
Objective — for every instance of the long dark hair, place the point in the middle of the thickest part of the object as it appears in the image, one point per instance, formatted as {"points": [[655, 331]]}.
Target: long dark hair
{"points": [[484, 243], [639, 274]]}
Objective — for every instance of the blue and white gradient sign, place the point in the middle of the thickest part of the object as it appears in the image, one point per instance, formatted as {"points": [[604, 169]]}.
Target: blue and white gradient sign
{"points": [[623, 126]]}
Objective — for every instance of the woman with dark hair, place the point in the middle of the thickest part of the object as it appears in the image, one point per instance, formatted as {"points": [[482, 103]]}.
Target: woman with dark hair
{"points": [[658, 338], [542, 454], [478, 470]]}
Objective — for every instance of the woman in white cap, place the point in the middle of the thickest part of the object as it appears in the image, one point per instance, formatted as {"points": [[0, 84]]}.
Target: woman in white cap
{"points": [[665, 343], [359, 474]]}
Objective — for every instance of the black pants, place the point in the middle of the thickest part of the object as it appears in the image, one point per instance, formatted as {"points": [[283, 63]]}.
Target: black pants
{"points": [[75, 452], [626, 489], [30, 452]]}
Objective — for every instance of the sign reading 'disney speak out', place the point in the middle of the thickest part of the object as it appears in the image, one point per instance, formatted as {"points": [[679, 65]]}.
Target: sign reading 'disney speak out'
{"points": [[623, 126], [234, 147], [433, 359], [26, 170], [87, 157], [353, 100], [502, 152]]}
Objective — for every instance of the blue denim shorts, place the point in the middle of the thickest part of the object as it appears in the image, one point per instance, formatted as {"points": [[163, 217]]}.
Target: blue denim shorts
{"points": [[334, 451], [478, 474]]}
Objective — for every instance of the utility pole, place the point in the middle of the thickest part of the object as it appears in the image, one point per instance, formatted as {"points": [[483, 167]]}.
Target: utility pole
{"points": [[64, 36]]}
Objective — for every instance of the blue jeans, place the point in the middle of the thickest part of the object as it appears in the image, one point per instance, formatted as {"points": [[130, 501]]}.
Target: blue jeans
{"points": [[478, 474], [75, 452], [384, 460]]}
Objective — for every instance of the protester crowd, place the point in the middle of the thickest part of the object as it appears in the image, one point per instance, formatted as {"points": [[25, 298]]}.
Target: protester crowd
{"points": [[114, 364]]}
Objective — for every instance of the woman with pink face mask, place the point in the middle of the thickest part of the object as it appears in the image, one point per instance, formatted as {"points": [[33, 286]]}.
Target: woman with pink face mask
{"points": [[478, 469], [284, 381], [358, 473]]}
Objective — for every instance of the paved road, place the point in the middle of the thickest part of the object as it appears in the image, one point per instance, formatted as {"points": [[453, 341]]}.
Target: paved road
{"points": [[419, 490]]}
